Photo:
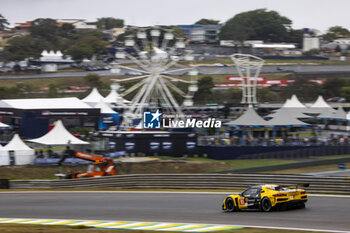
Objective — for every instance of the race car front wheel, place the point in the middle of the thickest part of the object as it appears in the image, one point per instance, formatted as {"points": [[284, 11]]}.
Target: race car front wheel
{"points": [[266, 205], [230, 205]]}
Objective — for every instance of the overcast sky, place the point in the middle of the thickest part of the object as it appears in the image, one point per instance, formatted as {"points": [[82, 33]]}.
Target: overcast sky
{"points": [[319, 14]]}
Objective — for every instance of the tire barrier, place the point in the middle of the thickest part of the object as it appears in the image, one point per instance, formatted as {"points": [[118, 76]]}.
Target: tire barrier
{"points": [[327, 185]]}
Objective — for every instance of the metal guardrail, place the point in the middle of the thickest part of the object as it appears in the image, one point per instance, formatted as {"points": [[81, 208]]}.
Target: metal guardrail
{"points": [[335, 185]]}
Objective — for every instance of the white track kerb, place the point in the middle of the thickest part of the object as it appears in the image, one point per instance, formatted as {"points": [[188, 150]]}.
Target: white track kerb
{"points": [[127, 225], [149, 226]]}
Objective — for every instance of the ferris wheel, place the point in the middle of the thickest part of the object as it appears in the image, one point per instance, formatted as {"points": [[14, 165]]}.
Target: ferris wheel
{"points": [[154, 62]]}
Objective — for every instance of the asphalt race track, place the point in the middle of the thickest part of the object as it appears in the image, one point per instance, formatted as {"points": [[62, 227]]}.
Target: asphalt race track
{"points": [[229, 70], [328, 213]]}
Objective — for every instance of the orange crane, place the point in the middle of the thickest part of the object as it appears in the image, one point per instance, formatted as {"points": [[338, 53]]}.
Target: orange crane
{"points": [[101, 166]]}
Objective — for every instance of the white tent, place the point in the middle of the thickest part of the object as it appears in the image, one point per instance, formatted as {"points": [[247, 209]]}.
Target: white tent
{"points": [[23, 154], [338, 114], [4, 126], [249, 118], [94, 97], [4, 157], [115, 98], [295, 103], [286, 117], [320, 103], [46, 103], [105, 109], [59, 135], [291, 107], [320, 106]]}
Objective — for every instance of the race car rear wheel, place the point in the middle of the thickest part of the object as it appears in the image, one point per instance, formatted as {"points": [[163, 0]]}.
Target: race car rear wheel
{"points": [[266, 205], [230, 205]]}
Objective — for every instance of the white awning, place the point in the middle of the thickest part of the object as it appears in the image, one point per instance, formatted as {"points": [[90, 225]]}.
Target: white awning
{"points": [[47, 103], [59, 135], [249, 118], [105, 109], [93, 97]]}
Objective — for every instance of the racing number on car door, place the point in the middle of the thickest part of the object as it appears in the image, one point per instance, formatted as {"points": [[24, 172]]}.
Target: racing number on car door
{"points": [[242, 201]]}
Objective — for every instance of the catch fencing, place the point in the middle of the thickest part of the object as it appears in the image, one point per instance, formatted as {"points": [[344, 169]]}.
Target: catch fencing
{"points": [[331, 185]]}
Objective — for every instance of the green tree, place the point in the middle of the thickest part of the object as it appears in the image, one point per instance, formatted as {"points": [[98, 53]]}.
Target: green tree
{"points": [[336, 32], [80, 52], [52, 91], [67, 30], [86, 48], [109, 23], [303, 88], [258, 24], [23, 47], [266, 95], [3, 23], [204, 93], [93, 80], [45, 28], [337, 49], [312, 52], [207, 21], [345, 93], [332, 87]]}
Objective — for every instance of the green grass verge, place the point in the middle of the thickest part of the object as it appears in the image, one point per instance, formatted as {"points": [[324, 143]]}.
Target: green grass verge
{"points": [[237, 163], [321, 168], [331, 157], [28, 228]]}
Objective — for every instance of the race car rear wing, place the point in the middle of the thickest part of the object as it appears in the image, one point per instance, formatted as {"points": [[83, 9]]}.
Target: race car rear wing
{"points": [[296, 186]]}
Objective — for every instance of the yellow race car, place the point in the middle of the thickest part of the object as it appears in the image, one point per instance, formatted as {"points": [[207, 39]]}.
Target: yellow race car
{"points": [[266, 198]]}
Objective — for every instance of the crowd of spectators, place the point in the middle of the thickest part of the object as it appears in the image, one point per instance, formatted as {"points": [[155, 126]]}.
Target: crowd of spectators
{"points": [[332, 140]]}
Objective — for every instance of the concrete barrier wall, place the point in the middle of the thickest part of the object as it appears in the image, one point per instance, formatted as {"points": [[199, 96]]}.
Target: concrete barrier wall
{"points": [[334, 185]]}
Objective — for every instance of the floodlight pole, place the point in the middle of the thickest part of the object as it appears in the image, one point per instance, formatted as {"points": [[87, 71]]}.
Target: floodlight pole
{"points": [[248, 67]]}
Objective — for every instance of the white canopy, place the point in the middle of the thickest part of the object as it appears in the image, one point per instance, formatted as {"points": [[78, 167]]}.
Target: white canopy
{"points": [[93, 97], [338, 114], [47, 103], [249, 118], [105, 109], [320, 103], [4, 158], [291, 107], [23, 154], [4, 126], [59, 135], [295, 103], [114, 97], [321, 106], [286, 117]]}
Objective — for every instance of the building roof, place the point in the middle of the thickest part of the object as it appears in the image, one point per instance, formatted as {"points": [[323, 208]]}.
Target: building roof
{"points": [[59, 135], [47, 103]]}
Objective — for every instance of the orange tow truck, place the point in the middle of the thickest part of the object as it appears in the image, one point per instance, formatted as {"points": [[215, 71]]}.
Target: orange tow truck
{"points": [[100, 167]]}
